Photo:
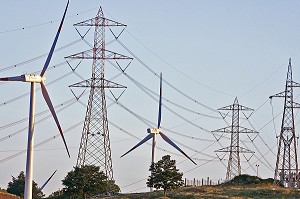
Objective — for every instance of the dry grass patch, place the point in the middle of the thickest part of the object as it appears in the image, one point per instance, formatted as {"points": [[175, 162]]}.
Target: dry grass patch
{"points": [[241, 187]]}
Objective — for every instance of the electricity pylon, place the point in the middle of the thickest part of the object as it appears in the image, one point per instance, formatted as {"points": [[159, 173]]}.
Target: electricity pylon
{"points": [[234, 164], [94, 147], [286, 170]]}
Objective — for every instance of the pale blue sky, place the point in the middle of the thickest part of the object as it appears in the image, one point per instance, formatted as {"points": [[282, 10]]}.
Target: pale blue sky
{"points": [[212, 51]]}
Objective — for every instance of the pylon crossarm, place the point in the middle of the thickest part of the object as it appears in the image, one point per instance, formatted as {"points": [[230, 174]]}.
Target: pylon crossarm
{"points": [[84, 83], [88, 22], [110, 84], [295, 84], [246, 130], [244, 150], [98, 21], [113, 55], [225, 149], [89, 54], [225, 108], [109, 22], [234, 149], [296, 105], [227, 129], [235, 107], [97, 83], [281, 94]]}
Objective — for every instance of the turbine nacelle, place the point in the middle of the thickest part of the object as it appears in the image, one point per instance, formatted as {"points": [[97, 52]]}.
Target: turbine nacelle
{"points": [[25, 78], [154, 130], [34, 78]]}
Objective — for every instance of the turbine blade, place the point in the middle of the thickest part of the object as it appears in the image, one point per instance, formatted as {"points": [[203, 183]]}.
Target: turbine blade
{"points": [[159, 106], [50, 105], [16, 78], [42, 187], [175, 146], [140, 143], [54, 43]]}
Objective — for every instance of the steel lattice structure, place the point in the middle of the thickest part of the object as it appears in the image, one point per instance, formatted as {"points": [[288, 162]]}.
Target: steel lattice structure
{"points": [[286, 170], [95, 143], [234, 165]]}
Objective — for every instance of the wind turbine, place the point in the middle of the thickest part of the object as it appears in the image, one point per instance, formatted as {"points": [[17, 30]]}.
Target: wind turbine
{"points": [[153, 131], [34, 78]]}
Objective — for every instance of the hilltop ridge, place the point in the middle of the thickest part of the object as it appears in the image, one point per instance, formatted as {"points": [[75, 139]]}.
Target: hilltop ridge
{"points": [[243, 186]]}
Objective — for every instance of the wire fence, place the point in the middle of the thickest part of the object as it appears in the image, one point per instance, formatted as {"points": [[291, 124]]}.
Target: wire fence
{"points": [[201, 182]]}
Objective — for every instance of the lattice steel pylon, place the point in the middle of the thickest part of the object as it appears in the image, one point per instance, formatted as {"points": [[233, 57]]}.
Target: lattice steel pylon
{"points": [[286, 170], [95, 142], [234, 164]]}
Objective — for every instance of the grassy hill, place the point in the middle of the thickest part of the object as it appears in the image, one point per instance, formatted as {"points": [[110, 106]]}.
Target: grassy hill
{"points": [[243, 186], [4, 195]]}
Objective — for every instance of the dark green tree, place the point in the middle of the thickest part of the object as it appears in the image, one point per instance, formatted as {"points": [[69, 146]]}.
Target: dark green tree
{"points": [[17, 186], [86, 181], [165, 175]]}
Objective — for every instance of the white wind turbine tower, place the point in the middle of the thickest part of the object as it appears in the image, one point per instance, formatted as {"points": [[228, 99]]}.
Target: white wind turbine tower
{"points": [[33, 78], [152, 134]]}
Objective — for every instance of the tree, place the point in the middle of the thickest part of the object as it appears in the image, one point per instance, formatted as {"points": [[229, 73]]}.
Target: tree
{"points": [[17, 186], [165, 175], [86, 181]]}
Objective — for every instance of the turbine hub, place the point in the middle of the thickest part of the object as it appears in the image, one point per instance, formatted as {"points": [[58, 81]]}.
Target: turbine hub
{"points": [[153, 130]]}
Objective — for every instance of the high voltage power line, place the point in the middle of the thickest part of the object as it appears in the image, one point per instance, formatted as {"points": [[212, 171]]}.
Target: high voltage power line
{"points": [[151, 93], [68, 73], [44, 23]]}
